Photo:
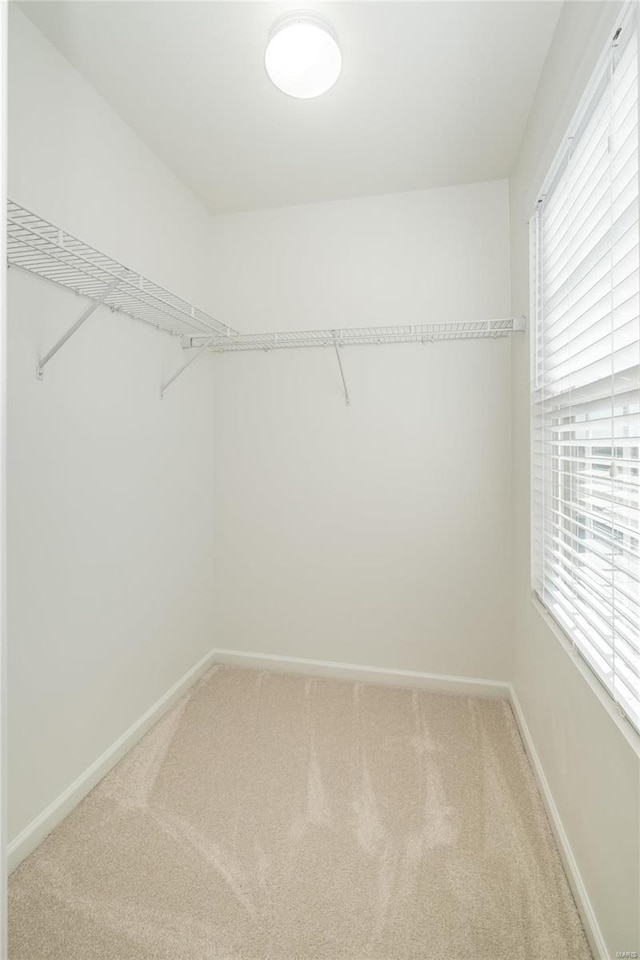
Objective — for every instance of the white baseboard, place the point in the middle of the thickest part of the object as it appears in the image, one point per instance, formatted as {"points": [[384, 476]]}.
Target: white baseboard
{"points": [[439, 683], [33, 834], [581, 897]]}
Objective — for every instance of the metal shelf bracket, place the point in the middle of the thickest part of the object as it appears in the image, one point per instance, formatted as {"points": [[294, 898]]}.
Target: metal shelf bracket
{"points": [[73, 329], [165, 386], [336, 345]]}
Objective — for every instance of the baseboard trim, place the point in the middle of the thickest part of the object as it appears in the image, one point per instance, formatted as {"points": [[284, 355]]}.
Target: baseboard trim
{"points": [[578, 888], [33, 834], [440, 683]]}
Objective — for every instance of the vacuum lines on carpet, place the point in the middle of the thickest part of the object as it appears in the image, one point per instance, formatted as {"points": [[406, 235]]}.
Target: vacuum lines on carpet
{"points": [[280, 817]]}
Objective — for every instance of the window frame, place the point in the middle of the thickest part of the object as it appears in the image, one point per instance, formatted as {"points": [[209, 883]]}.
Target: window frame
{"points": [[587, 106]]}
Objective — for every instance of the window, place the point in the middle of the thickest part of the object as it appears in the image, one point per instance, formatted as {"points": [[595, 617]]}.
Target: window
{"points": [[586, 378]]}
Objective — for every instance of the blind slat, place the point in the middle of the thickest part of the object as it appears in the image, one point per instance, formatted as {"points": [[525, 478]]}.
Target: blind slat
{"points": [[585, 301]]}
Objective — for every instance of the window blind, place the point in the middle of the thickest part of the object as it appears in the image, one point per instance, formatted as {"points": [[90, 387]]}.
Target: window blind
{"points": [[585, 288]]}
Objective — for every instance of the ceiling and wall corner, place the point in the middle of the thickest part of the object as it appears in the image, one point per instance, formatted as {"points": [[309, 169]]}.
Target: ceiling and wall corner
{"points": [[431, 94]]}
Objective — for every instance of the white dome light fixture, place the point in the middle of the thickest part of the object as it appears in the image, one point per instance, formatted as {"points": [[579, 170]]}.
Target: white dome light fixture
{"points": [[302, 57]]}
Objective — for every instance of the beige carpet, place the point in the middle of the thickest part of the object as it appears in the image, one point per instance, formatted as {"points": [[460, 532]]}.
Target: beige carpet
{"points": [[286, 818]]}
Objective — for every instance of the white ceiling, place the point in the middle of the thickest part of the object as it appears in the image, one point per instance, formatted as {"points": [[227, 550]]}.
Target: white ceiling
{"points": [[431, 93]]}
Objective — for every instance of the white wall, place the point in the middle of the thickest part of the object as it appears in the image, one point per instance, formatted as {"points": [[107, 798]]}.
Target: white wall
{"points": [[341, 533], [110, 490], [377, 534], [592, 768]]}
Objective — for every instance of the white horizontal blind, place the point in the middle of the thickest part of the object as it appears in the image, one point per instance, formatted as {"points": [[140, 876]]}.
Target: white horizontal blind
{"points": [[585, 243]]}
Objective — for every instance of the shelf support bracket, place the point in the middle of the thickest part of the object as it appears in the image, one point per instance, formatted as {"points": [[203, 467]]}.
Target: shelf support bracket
{"points": [[76, 326], [205, 346], [336, 345]]}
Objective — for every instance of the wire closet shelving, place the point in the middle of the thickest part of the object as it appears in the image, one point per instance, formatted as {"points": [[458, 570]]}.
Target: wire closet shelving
{"points": [[359, 336], [39, 247]]}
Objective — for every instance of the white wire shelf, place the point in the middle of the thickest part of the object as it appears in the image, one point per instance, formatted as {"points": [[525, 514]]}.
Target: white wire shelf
{"points": [[358, 336], [41, 248]]}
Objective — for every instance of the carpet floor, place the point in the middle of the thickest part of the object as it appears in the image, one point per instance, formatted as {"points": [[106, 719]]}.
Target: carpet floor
{"points": [[279, 817]]}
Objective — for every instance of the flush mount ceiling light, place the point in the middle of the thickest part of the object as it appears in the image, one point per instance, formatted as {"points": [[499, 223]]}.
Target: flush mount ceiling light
{"points": [[302, 57]]}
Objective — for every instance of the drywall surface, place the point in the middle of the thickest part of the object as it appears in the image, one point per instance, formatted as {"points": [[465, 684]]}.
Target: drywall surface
{"points": [[110, 489], [379, 533], [591, 767]]}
